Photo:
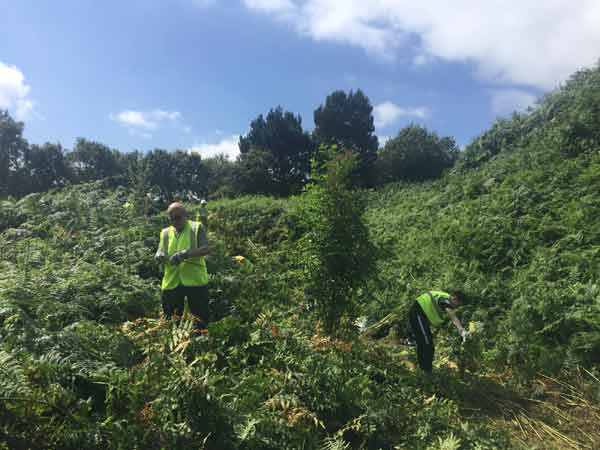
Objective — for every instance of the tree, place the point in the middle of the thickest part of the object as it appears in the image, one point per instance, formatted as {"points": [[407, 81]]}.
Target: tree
{"points": [[338, 254], [28, 168], [45, 167], [159, 166], [94, 161], [190, 173], [12, 146], [280, 134], [253, 173], [416, 154], [347, 120], [176, 174], [220, 172]]}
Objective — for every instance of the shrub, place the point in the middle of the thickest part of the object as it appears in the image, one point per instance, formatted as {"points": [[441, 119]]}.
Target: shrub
{"points": [[338, 255]]}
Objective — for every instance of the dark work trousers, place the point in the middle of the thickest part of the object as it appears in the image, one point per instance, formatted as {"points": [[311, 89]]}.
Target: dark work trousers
{"points": [[419, 326], [197, 296]]}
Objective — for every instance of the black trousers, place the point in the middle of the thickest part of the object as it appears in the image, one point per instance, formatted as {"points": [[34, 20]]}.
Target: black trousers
{"points": [[197, 296], [419, 326]]}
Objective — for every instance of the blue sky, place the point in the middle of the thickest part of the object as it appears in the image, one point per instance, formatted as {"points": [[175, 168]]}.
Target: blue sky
{"points": [[192, 74]]}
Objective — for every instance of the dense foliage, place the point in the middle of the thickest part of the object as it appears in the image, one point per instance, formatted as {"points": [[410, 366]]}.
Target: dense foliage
{"points": [[86, 363], [415, 154], [347, 121], [26, 168], [335, 248], [287, 151]]}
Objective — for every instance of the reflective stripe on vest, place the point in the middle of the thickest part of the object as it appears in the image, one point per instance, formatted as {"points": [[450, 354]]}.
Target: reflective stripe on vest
{"points": [[194, 235], [430, 307], [191, 271], [165, 240]]}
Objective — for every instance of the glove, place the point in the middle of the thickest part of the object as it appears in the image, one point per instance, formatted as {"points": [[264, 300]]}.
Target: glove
{"points": [[160, 257], [178, 257], [464, 334]]}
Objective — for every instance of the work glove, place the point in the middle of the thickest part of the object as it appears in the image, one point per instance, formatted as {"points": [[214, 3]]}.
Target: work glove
{"points": [[178, 257], [464, 334], [160, 257]]}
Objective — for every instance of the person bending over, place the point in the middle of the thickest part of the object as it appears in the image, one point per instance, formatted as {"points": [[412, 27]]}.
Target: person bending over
{"points": [[429, 310]]}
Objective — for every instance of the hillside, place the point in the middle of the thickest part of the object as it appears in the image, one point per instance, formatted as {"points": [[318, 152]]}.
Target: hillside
{"points": [[86, 363]]}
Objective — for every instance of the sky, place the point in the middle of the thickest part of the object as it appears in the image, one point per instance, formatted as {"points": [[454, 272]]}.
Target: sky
{"points": [[192, 74]]}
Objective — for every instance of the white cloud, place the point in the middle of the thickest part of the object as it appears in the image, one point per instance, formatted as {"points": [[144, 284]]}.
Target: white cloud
{"points": [[516, 41], [136, 119], [228, 147], [344, 21], [140, 123], [505, 101], [387, 113], [159, 115], [14, 92], [24, 109]]}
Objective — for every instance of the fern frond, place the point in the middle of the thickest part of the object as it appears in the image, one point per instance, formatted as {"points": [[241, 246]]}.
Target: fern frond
{"points": [[336, 443], [13, 380]]}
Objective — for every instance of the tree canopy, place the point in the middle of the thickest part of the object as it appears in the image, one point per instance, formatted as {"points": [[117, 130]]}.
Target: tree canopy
{"points": [[28, 168], [416, 154], [11, 150], [93, 160], [289, 149], [347, 120]]}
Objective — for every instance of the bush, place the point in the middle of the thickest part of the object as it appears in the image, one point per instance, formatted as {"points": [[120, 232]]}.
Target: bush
{"points": [[338, 255], [415, 154]]}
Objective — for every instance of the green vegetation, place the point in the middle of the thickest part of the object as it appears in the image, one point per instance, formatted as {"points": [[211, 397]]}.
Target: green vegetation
{"points": [[335, 247], [347, 121], [287, 149], [85, 361], [416, 154]]}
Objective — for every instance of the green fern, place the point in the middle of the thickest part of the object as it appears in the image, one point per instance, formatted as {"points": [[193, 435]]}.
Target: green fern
{"points": [[13, 380], [334, 443]]}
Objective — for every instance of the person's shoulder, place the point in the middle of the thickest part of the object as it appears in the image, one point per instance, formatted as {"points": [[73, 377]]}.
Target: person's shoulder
{"points": [[199, 228], [446, 303]]}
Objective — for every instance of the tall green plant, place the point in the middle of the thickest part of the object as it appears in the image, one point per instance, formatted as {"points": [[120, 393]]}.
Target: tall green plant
{"points": [[338, 255]]}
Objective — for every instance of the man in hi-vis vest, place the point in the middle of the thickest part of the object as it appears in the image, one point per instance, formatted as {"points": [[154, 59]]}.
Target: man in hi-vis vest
{"points": [[181, 250], [430, 309]]}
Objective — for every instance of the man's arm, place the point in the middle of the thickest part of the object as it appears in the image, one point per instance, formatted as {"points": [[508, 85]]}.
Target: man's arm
{"points": [[203, 248], [200, 251], [456, 322], [161, 253]]}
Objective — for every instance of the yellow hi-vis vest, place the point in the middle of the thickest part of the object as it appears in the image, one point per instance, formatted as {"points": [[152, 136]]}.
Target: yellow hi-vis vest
{"points": [[430, 307], [189, 272]]}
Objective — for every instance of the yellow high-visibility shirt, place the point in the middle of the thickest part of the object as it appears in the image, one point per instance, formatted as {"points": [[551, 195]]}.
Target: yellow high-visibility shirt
{"points": [[191, 271]]}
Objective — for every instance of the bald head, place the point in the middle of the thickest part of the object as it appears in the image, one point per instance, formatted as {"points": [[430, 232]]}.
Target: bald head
{"points": [[177, 215], [175, 206]]}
